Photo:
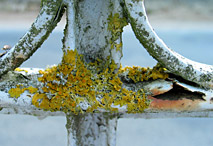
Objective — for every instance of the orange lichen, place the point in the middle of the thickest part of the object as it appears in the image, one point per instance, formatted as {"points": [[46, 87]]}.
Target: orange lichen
{"points": [[73, 82], [96, 85]]}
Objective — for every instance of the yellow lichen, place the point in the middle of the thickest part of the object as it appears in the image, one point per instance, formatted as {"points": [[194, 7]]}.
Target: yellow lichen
{"points": [[140, 74], [73, 82], [20, 70], [32, 90], [16, 92]]}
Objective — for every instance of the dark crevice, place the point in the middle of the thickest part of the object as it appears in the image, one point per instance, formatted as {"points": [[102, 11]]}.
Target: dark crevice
{"points": [[182, 80], [179, 92], [211, 100]]}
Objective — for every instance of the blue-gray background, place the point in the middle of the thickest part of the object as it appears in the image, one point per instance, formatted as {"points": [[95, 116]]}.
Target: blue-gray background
{"points": [[193, 40]]}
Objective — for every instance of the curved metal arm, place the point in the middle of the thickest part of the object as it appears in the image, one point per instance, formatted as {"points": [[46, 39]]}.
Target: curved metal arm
{"points": [[50, 14], [201, 74]]}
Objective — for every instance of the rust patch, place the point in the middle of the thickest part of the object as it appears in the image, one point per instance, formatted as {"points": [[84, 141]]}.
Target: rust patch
{"points": [[179, 105]]}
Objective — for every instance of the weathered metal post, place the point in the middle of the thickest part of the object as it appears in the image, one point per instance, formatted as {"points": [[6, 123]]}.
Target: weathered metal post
{"points": [[98, 129], [89, 29]]}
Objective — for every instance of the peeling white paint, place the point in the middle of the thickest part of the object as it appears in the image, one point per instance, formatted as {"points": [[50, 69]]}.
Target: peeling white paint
{"points": [[173, 61], [208, 95], [161, 86], [208, 92]]}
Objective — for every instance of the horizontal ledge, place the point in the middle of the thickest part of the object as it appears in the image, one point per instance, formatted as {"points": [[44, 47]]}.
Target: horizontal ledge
{"points": [[149, 114], [169, 99]]}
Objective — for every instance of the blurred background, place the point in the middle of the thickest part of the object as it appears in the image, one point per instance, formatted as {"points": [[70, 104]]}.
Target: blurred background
{"points": [[185, 25]]}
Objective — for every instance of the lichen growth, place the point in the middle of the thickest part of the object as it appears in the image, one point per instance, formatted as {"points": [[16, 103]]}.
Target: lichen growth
{"points": [[115, 25], [74, 83], [140, 74], [16, 92]]}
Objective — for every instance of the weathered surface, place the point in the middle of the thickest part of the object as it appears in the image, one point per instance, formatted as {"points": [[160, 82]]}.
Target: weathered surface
{"points": [[99, 91], [109, 23], [166, 96], [50, 14], [89, 18], [98, 129], [201, 74]]}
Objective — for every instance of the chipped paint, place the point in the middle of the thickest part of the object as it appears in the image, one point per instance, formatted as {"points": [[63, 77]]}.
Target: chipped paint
{"points": [[201, 74]]}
